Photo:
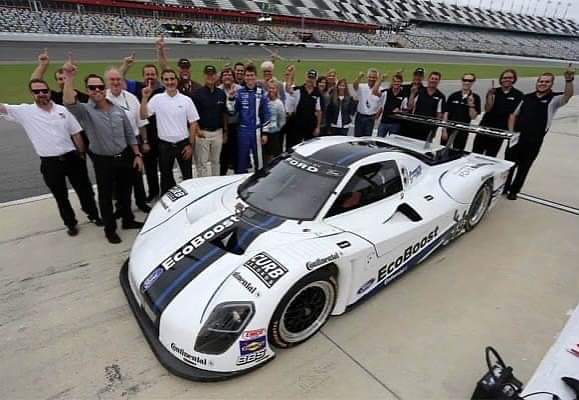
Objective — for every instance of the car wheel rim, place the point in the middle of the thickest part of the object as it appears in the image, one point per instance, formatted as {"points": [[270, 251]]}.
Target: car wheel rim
{"points": [[480, 204], [307, 311]]}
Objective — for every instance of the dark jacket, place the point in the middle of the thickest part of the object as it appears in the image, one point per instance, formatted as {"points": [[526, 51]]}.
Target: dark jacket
{"points": [[347, 106]]}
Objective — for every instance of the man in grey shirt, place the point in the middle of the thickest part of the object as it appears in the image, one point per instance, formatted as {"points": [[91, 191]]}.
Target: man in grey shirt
{"points": [[112, 147]]}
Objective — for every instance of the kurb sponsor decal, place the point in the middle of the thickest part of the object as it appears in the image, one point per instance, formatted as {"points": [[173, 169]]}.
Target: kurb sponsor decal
{"points": [[195, 360], [252, 345], [396, 263], [175, 193], [266, 268], [198, 240], [468, 169], [415, 173], [253, 333], [321, 261], [251, 357], [365, 286], [244, 282], [151, 278], [302, 165]]}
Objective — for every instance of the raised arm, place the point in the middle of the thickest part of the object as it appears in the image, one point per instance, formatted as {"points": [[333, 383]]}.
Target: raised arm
{"points": [[162, 53], [146, 94], [42, 66], [126, 65], [68, 92], [290, 79], [569, 78], [490, 98], [356, 82]]}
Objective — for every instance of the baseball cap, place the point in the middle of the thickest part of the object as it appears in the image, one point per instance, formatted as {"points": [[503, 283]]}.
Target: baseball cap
{"points": [[209, 69], [312, 73], [419, 71], [184, 63]]}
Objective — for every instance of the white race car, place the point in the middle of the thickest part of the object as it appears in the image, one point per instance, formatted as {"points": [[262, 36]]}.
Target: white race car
{"points": [[228, 269]]}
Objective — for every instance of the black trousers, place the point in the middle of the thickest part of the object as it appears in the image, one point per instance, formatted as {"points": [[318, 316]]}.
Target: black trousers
{"points": [[168, 152], [415, 131], [55, 171], [460, 139], [137, 188], [523, 154], [489, 146], [228, 156], [151, 161], [114, 172]]}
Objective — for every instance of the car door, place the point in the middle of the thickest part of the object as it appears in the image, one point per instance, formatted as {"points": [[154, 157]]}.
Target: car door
{"points": [[368, 206]]}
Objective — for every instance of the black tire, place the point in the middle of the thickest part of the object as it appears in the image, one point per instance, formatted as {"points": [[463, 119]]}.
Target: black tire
{"points": [[317, 292], [480, 205]]}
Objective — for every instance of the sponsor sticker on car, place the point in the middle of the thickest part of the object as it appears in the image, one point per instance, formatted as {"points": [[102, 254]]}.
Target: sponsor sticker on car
{"points": [[253, 333], [151, 278], [267, 269], [251, 345], [175, 193]]}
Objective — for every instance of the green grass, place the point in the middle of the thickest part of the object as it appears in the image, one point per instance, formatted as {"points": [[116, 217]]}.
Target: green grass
{"points": [[14, 77]]}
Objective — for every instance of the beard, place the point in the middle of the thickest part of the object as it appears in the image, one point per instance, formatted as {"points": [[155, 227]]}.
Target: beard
{"points": [[42, 101]]}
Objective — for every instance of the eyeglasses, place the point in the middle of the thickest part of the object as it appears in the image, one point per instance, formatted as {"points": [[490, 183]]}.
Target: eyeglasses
{"points": [[169, 79], [468, 80], [95, 87], [38, 91], [508, 77]]}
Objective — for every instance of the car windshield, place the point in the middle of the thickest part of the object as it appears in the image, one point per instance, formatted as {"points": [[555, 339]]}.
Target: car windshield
{"points": [[291, 187]]}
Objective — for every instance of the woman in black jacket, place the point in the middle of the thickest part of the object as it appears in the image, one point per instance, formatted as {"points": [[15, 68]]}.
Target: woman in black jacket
{"points": [[341, 109]]}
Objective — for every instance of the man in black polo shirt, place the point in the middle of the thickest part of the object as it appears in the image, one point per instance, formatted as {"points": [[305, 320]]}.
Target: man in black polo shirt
{"points": [[417, 78], [429, 102], [393, 103], [533, 119], [461, 106], [500, 104], [211, 106], [304, 102]]}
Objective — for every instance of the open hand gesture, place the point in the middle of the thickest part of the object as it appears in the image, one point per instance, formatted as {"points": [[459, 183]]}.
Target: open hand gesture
{"points": [[130, 59], [569, 73]]}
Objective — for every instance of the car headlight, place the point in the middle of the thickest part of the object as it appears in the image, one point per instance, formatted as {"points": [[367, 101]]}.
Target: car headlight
{"points": [[223, 327]]}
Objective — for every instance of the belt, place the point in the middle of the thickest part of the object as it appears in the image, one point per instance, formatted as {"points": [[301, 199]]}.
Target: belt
{"points": [[368, 115], [176, 144], [211, 130], [61, 157], [114, 156]]}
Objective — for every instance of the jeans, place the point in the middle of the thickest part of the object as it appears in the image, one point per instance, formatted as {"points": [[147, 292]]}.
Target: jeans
{"points": [[388, 128], [364, 125]]}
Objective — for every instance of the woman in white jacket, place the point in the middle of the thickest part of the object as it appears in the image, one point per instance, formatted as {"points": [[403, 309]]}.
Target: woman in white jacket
{"points": [[273, 146]]}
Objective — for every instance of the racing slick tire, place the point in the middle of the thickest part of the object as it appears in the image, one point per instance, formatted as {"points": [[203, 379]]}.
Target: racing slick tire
{"points": [[303, 310], [479, 206]]}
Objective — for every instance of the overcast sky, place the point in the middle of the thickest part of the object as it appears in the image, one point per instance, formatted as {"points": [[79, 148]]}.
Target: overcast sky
{"points": [[536, 7]]}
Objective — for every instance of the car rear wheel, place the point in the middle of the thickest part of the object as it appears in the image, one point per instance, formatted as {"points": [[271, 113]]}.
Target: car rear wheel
{"points": [[303, 310], [479, 206]]}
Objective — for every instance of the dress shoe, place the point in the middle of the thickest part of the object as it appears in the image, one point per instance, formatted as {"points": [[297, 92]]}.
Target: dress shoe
{"points": [[96, 220], [144, 208], [512, 196], [113, 238], [132, 225], [72, 231]]}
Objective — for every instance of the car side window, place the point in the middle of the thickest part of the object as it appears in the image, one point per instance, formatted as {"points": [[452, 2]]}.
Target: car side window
{"points": [[368, 185]]}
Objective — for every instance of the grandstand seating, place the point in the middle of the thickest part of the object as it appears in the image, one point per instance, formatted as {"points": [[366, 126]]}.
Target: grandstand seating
{"points": [[426, 35]]}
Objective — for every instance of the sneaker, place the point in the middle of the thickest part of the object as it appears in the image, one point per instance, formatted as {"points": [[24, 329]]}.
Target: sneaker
{"points": [[132, 225], [512, 196], [145, 208], [113, 238], [72, 231], [96, 220]]}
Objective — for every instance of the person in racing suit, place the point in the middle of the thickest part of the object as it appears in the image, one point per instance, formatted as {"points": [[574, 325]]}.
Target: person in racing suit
{"points": [[251, 104]]}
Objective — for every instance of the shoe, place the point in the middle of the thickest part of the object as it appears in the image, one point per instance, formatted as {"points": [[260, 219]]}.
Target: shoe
{"points": [[113, 238], [144, 208], [96, 220], [117, 214], [72, 231], [512, 196], [132, 225]]}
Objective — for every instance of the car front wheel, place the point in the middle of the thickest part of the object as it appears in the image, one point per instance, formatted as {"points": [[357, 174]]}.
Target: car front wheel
{"points": [[303, 310], [480, 205]]}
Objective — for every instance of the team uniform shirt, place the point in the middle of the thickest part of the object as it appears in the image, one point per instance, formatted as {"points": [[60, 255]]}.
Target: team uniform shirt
{"points": [[211, 106], [535, 115], [368, 103], [407, 88], [49, 131], [458, 109], [57, 97], [392, 101], [131, 106], [294, 100], [188, 87], [429, 105], [505, 104], [173, 114]]}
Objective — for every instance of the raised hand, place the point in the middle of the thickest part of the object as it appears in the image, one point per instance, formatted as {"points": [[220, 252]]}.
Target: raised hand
{"points": [[43, 58], [147, 90], [569, 73], [160, 43], [470, 100], [69, 68], [130, 59], [492, 89], [360, 76]]}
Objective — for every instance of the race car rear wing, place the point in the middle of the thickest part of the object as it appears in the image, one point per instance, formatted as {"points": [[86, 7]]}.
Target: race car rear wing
{"points": [[453, 127]]}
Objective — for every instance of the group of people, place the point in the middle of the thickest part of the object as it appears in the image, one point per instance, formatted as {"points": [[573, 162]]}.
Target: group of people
{"points": [[234, 120]]}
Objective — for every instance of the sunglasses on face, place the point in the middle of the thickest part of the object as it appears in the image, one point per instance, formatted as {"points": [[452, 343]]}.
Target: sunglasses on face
{"points": [[39, 91], [96, 87], [468, 80]]}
